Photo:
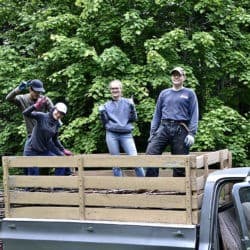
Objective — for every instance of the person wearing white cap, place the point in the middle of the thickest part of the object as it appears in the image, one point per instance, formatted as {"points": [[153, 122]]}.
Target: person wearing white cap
{"points": [[175, 121], [44, 139]]}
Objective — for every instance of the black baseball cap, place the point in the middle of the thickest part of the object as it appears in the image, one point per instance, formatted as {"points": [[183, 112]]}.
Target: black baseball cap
{"points": [[37, 85]]}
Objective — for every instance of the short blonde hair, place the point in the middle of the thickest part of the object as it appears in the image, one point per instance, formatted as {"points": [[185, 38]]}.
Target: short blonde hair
{"points": [[117, 82]]}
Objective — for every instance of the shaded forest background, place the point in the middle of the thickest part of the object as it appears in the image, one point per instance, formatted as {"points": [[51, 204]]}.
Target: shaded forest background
{"points": [[77, 47]]}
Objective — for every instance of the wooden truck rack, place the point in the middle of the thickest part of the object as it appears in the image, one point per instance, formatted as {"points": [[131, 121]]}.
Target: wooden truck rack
{"points": [[92, 195]]}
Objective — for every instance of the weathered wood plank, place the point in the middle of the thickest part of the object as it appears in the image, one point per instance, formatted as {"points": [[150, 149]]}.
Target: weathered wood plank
{"points": [[99, 199], [136, 215], [6, 186], [166, 161], [136, 200], [152, 216], [213, 157], [67, 213], [43, 181], [135, 183], [107, 214], [162, 172], [200, 161], [198, 183], [42, 161], [43, 198]]}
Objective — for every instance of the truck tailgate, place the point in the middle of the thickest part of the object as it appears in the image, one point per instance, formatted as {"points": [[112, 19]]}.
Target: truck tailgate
{"points": [[28, 234]]}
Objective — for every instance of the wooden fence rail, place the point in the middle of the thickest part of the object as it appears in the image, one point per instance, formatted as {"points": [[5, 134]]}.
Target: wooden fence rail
{"points": [[94, 194]]}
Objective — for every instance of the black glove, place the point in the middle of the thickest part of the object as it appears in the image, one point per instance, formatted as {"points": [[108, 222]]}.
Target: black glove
{"points": [[22, 86]]}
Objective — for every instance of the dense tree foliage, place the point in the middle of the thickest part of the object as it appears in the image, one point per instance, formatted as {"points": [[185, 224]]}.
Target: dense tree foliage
{"points": [[76, 48]]}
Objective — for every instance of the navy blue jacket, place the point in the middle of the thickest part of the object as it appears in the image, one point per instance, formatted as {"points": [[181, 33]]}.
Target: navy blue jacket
{"points": [[180, 105], [44, 136], [118, 115]]}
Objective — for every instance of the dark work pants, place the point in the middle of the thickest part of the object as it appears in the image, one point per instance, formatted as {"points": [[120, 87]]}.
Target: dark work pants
{"points": [[29, 151], [169, 133]]}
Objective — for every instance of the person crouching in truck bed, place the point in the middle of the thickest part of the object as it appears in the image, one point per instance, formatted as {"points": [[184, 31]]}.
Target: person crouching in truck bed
{"points": [[44, 139]]}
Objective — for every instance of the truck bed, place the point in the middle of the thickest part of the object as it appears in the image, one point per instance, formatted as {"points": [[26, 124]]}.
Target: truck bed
{"points": [[29, 234], [163, 199]]}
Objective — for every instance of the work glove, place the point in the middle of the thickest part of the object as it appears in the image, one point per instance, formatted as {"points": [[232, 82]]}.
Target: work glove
{"points": [[189, 140], [101, 108], [152, 134], [22, 86], [67, 152], [40, 102]]}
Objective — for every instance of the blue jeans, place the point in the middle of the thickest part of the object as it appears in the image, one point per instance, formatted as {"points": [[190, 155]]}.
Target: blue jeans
{"points": [[25, 170], [126, 141], [28, 151], [169, 133]]}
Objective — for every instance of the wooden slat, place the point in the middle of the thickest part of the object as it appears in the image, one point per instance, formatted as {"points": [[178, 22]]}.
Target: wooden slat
{"points": [[136, 215], [199, 201], [99, 199], [42, 198], [43, 181], [135, 183], [213, 157], [166, 161], [224, 154], [81, 194], [188, 172], [42, 161], [5, 162], [107, 214], [200, 161], [135, 200], [127, 172], [198, 183], [195, 217], [67, 213]]}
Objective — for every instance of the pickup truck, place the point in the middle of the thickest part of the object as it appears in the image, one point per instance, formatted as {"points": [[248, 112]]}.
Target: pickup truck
{"points": [[209, 208]]}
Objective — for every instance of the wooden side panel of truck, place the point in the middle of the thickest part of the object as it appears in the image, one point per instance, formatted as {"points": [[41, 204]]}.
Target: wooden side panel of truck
{"points": [[90, 195]]}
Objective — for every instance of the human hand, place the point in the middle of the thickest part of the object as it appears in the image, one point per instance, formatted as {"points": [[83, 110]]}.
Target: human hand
{"points": [[101, 108], [67, 152], [40, 102], [189, 140], [22, 86]]}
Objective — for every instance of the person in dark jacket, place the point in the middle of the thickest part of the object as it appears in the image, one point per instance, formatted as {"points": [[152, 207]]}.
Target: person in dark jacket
{"points": [[44, 139], [175, 121], [117, 116], [24, 100]]}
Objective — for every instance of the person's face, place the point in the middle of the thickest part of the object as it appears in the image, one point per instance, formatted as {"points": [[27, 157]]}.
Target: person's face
{"points": [[57, 114], [34, 94], [116, 90], [177, 78]]}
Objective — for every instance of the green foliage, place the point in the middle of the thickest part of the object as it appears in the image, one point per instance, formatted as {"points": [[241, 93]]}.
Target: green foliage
{"points": [[223, 127], [77, 47]]}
